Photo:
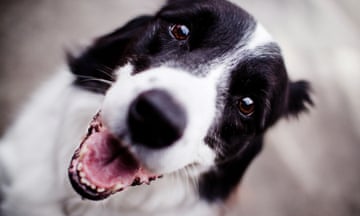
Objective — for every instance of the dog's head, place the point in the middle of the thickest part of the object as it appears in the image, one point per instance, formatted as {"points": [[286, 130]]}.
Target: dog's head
{"points": [[194, 86]]}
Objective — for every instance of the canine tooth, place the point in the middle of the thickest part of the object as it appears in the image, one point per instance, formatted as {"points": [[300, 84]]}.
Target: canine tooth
{"points": [[93, 187], [85, 181], [100, 190]]}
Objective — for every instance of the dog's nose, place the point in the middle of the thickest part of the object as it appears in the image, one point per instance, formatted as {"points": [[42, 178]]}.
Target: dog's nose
{"points": [[155, 119]]}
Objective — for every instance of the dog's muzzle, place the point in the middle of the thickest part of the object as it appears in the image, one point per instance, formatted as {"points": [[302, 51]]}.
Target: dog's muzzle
{"points": [[162, 116], [155, 119]]}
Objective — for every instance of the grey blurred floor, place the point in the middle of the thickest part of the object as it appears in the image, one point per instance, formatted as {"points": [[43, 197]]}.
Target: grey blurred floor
{"points": [[310, 167]]}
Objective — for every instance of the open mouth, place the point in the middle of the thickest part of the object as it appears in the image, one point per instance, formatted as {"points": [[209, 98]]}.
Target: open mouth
{"points": [[102, 165]]}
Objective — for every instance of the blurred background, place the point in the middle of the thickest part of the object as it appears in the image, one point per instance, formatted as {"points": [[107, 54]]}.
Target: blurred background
{"points": [[309, 166]]}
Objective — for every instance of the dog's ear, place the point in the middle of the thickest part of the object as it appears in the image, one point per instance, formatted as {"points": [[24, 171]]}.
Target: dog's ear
{"points": [[98, 61], [298, 97]]}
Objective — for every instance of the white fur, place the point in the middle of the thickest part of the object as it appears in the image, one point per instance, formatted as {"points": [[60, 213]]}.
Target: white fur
{"points": [[36, 150], [196, 95], [259, 37]]}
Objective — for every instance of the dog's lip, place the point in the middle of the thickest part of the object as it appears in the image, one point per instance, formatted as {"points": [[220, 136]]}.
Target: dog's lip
{"points": [[85, 170]]}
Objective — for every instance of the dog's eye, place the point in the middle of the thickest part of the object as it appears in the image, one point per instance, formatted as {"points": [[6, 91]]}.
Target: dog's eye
{"points": [[179, 32], [246, 106]]}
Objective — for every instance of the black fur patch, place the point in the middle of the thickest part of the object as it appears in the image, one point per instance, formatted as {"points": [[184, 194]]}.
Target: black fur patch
{"points": [[94, 68], [220, 181], [145, 42], [238, 138], [299, 97]]}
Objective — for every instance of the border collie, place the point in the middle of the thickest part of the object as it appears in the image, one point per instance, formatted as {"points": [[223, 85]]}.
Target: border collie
{"points": [[175, 103]]}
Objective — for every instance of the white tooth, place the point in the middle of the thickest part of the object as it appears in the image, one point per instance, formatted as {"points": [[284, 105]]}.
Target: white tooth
{"points": [[100, 190], [79, 166], [93, 187], [82, 174], [85, 181], [118, 187]]}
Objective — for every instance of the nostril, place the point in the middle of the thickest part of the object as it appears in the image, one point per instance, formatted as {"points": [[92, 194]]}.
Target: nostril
{"points": [[142, 110], [155, 119]]}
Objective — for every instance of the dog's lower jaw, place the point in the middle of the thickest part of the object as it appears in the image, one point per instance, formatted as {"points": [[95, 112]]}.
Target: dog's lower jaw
{"points": [[174, 194]]}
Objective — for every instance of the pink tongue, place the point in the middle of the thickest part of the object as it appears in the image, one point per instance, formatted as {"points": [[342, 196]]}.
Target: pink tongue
{"points": [[106, 163]]}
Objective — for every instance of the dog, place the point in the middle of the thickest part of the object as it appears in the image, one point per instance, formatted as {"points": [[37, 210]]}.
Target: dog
{"points": [[159, 117]]}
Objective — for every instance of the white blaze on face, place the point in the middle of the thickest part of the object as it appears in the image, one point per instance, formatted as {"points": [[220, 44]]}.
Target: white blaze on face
{"points": [[259, 37], [197, 96]]}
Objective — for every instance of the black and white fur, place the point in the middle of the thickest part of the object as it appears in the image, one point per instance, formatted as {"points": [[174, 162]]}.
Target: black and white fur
{"points": [[227, 56]]}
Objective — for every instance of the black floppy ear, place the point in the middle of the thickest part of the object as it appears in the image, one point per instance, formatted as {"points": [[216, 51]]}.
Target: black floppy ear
{"points": [[108, 52], [299, 97]]}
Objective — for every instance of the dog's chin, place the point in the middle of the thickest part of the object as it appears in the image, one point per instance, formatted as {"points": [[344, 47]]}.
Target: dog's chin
{"points": [[102, 165]]}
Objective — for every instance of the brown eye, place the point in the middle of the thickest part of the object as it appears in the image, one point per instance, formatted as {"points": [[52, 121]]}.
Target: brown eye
{"points": [[246, 106], [179, 32]]}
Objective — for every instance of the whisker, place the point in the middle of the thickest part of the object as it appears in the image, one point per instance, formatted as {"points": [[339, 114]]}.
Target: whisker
{"points": [[106, 71], [194, 179], [89, 78]]}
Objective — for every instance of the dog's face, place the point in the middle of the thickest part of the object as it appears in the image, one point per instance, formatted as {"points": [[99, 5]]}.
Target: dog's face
{"points": [[193, 87]]}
